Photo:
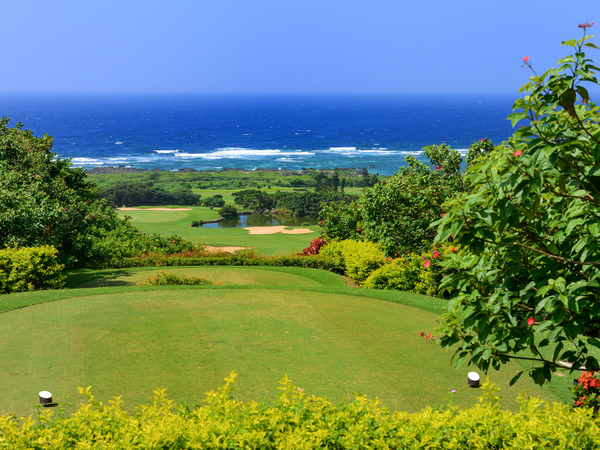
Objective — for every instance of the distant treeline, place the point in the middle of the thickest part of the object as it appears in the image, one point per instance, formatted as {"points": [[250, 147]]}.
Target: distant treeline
{"points": [[233, 179], [300, 204], [137, 194]]}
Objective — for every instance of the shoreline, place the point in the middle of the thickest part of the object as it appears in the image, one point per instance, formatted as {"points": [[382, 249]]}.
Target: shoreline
{"points": [[119, 170]]}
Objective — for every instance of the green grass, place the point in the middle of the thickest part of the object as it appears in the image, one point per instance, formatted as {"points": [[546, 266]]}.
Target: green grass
{"points": [[330, 339], [167, 223], [274, 276]]}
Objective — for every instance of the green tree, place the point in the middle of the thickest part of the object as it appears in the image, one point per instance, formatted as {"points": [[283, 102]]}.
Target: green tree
{"points": [[45, 201], [229, 212], [397, 212], [527, 280]]}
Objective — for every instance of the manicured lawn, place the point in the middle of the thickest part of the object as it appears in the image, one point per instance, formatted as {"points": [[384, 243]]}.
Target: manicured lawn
{"points": [[127, 341], [274, 276], [167, 223]]}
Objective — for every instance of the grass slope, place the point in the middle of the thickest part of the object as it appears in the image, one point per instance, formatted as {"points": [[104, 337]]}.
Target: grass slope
{"points": [[331, 340]]}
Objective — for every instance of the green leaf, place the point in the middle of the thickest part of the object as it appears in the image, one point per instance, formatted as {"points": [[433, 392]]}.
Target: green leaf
{"points": [[570, 43], [554, 334], [514, 379], [567, 59]]}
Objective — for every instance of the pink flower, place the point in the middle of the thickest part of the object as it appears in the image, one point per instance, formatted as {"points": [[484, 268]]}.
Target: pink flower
{"points": [[530, 321], [453, 391], [435, 254], [358, 230], [585, 25], [453, 249], [518, 153], [525, 59], [443, 214], [428, 336], [427, 264]]}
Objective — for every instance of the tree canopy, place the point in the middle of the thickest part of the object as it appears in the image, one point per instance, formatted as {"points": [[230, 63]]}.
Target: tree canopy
{"points": [[527, 273]]}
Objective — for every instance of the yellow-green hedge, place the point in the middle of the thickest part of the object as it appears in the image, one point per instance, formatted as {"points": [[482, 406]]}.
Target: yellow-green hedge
{"points": [[358, 258], [296, 421], [30, 269]]}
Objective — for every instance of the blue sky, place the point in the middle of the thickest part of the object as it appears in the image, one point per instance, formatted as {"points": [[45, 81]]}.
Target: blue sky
{"points": [[277, 46]]}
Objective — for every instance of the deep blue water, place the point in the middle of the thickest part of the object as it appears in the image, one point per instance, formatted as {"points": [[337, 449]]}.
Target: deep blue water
{"points": [[244, 131]]}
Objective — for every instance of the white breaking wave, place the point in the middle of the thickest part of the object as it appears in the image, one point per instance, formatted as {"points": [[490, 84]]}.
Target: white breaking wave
{"points": [[85, 161], [335, 149], [166, 151], [242, 153], [118, 143]]}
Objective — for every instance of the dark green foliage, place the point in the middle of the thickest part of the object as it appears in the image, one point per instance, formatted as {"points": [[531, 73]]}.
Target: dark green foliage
{"points": [[301, 204], [529, 269], [229, 212], [308, 204], [136, 194], [45, 201], [216, 201], [341, 221], [254, 199]]}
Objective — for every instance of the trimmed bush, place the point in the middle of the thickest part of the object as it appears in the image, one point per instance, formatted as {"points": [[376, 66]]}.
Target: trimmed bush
{"points": [[418, 273], [357, 258], [30, 269], [298, 421], [169, 279], [311, 261]]}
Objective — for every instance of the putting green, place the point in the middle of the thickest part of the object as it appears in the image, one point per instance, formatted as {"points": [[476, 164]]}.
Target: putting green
{"points": [[187, 340]]}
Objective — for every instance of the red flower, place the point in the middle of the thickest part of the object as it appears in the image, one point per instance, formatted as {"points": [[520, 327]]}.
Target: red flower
{"points": [[530, 321], [358, 230], [427, 264], [518, 153], [443, 214], [435, 254], [585, 25], [453, 249], [437, 167], [428, 336], [525, 59]]}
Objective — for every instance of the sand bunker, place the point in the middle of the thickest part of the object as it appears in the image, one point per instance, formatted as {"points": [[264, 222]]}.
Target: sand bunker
{"points": [[278, 229], [154, 209], [211, 249]]}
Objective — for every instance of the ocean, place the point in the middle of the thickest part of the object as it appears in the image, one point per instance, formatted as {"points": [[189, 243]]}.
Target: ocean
{"points": [[211, 132]]}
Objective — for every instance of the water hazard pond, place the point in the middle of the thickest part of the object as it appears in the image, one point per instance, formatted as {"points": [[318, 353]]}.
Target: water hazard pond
{"points": [[260, 220]]}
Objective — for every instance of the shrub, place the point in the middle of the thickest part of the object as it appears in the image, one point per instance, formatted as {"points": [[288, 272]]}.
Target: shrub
{"points": [[216, 201], [229, 212], [153, 260], [314, 248], [167, 279], [418, 273], [30, 269], [357, 258], [299, 421]]}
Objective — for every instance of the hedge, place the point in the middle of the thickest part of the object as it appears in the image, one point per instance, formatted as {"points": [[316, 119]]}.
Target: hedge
{"points": [[311, 261], [298, 421]]}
